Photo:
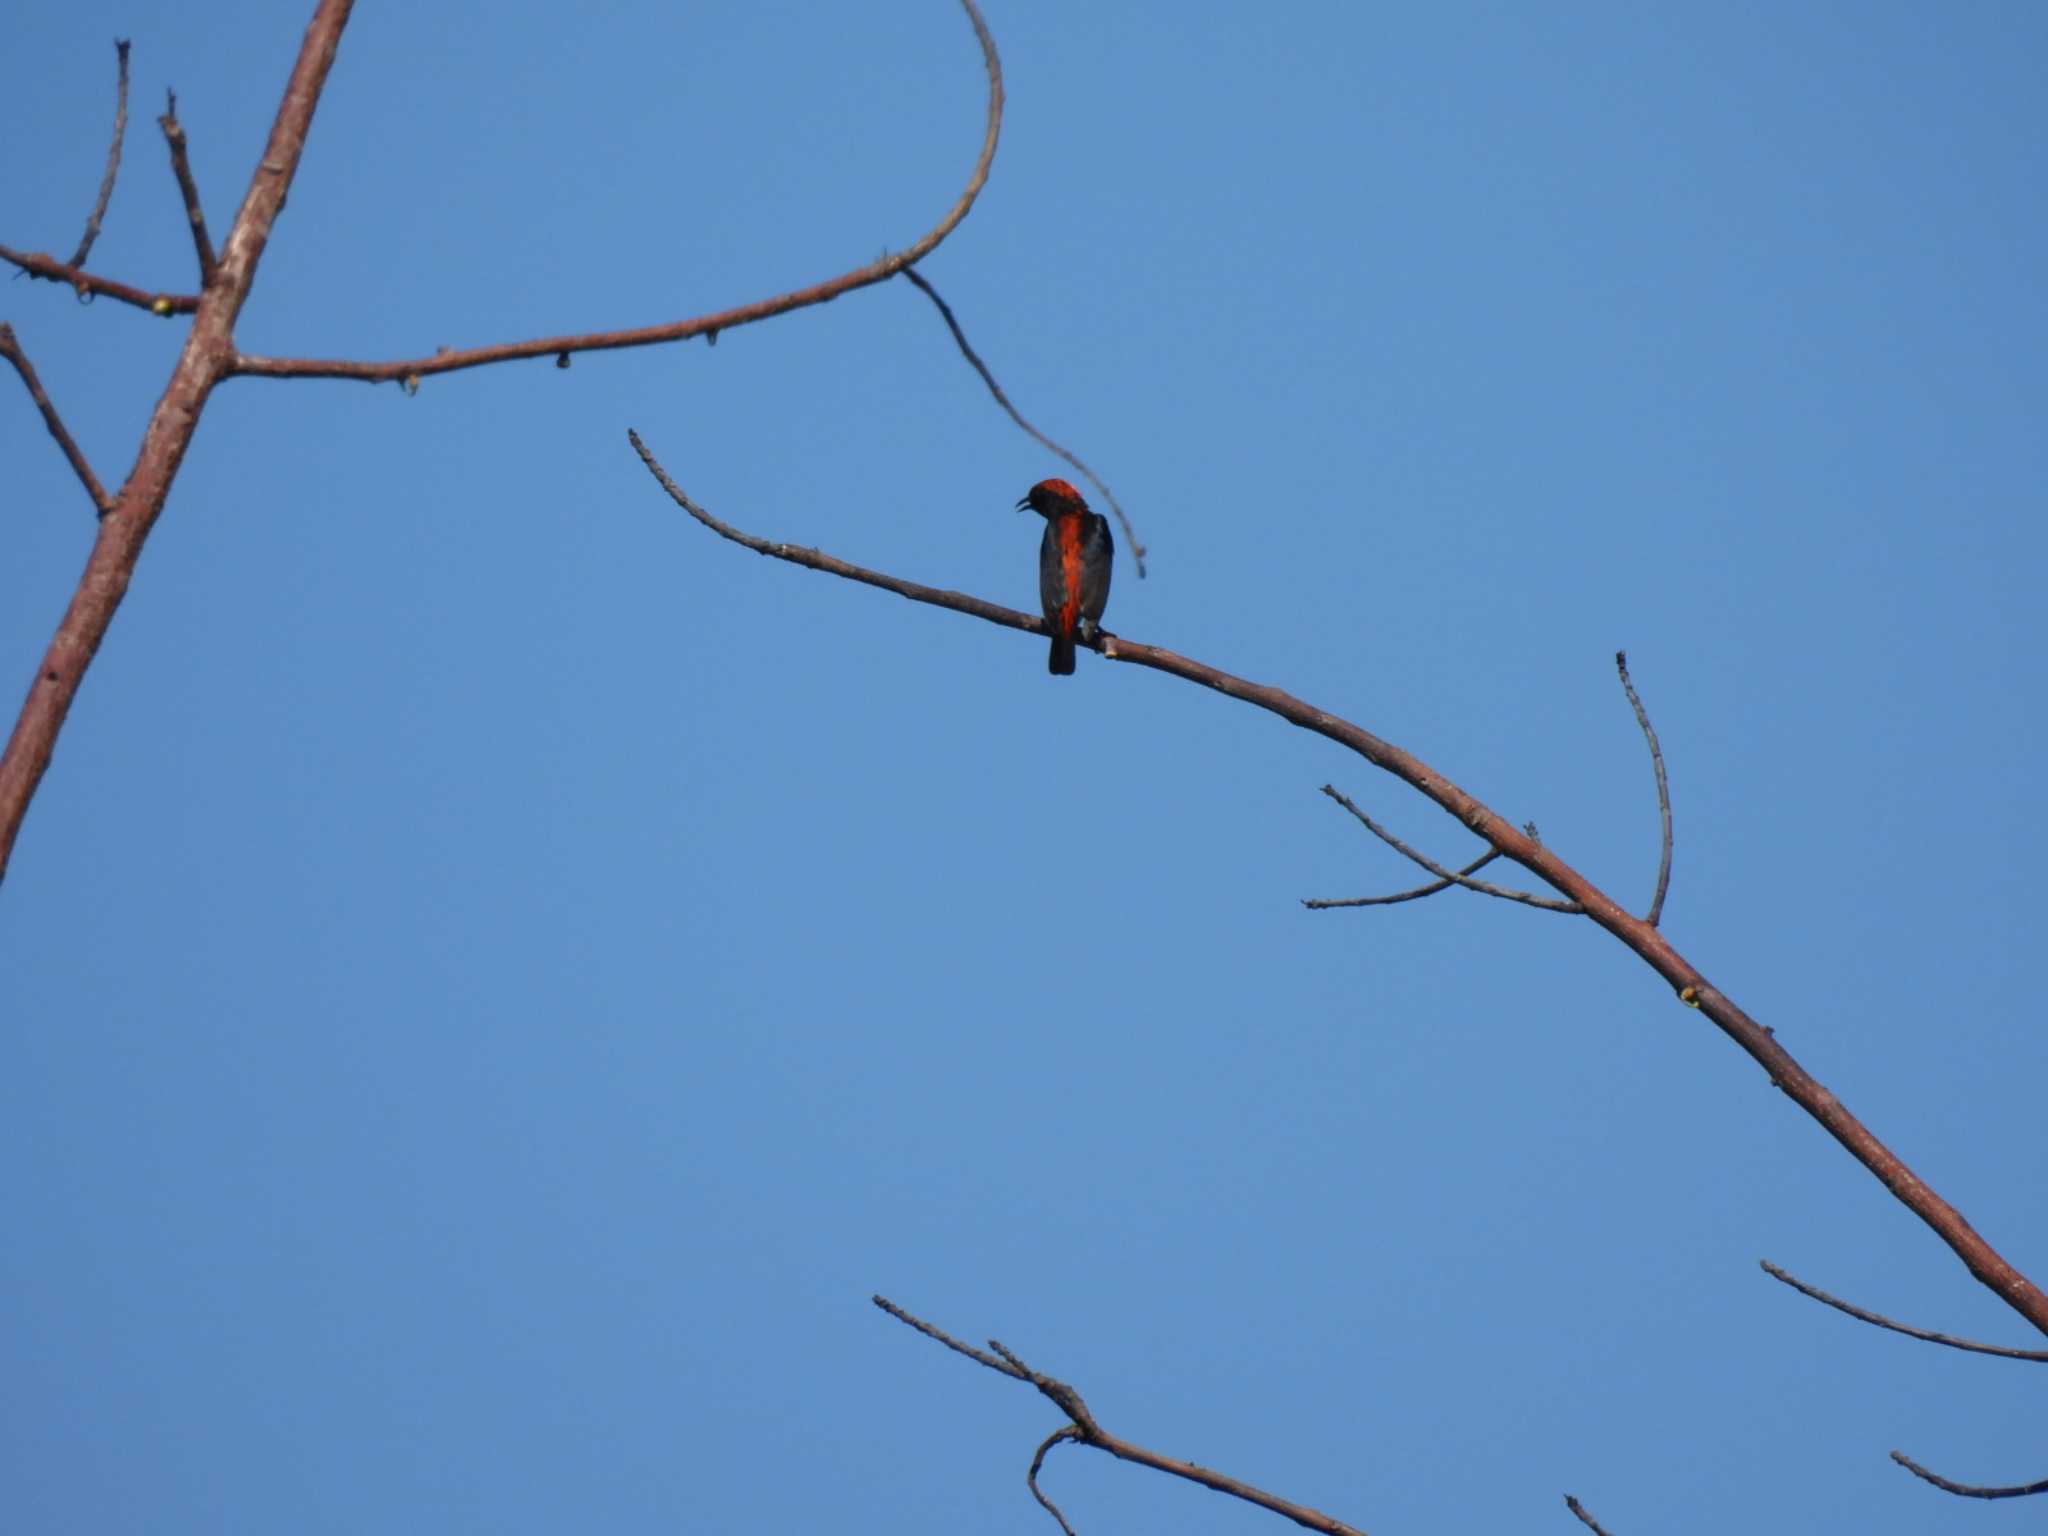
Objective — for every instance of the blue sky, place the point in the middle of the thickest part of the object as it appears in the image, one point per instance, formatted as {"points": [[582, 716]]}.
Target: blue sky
{"points": [[496, 977]]}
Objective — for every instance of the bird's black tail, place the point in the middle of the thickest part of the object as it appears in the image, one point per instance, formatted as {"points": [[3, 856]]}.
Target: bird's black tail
{"points": [[1061, 662]]}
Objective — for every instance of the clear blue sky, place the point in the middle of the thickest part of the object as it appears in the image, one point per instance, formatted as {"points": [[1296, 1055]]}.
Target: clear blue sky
{"points": [[495, 977]]}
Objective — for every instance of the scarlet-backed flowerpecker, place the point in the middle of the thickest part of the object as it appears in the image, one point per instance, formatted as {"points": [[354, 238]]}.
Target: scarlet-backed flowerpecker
{"points": [[1073, 567]]}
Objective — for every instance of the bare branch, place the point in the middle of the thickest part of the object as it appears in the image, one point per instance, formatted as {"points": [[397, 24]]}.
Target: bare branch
{"points": [[967, 351], [89, 287], [1968, 1490], [1324, 904], [1445, 875], [99, 207], [817, 560], [1644, 941], [1656, 911], [1585, 1519], [1085, 1431], [1880, 1321], [205, 360], [188, 188], [10, 348], [556, 347], [1038, 1461]]}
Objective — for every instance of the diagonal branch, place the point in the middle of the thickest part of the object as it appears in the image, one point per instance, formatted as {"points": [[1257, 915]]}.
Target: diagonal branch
{"points": [[1663, 789], [558, 347], [1880, 1321], [205, 360], [1448, 877], [1083, 1430], [967, 351], [188, 187], [1646, 942], [106, 194], [1968, 1490], [1584, 1518], [87, 286], [10, 348]]}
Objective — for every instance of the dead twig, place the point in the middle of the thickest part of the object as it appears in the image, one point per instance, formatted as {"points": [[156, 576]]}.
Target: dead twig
{"points": [[10, 348], [1083, 1430], [1585, 1519], [188, 188], [1656, 911], [1880, 1321], [106, 195], [1327, 903], [967, 351], [1968, 1490], [1446, 876]]}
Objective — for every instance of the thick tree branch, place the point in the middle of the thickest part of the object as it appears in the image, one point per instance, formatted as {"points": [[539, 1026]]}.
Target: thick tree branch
{"points": [[10, 348], [208, 353], [1646, 942], [1083, 1430], [558, 348]]}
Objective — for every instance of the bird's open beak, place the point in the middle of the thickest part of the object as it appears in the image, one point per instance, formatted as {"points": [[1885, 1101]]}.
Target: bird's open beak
{"points": [[1023, 502]]}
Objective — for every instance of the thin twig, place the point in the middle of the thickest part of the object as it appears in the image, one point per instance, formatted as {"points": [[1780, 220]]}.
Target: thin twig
{"points": [[553, 347], [1880, 1321], [1527, 898], [1579, 1509], [1984, 1262], [1969, 1490], [1663, 789], [1325, 904], [87, 286], [10, 348], [1031, 1477], [1085, 1431], [99, 207], [967, 351], [188, 188]]}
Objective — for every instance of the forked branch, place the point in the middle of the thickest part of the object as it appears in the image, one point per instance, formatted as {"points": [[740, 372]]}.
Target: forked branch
{"points": [[1642, 938], [1082, 1429]]}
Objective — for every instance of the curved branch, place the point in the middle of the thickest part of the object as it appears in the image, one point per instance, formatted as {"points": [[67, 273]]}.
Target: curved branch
{"points": [[1646, 942], [557, 347], [1879, 1321], [1085, 1431], [1656, 911], [1968, 1490], [974, 359], [106, 195]]}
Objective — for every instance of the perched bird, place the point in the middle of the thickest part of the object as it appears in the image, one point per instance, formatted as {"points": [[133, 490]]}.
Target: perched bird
{"points": [[1073, 567]]}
